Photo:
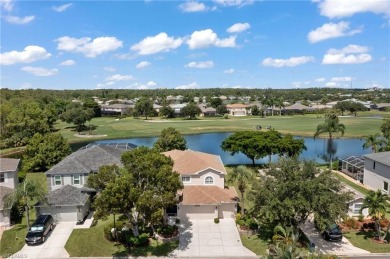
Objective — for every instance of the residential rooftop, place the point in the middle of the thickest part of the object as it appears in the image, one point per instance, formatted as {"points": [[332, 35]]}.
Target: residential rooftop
{"points": [[382, 157]]}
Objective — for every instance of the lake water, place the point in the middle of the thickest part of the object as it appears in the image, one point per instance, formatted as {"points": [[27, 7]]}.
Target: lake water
{"points": [[318, 150]]}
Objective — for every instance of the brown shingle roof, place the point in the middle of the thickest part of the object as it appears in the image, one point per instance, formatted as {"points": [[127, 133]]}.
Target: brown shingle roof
{"points": [[191, 162], [198, 194], [9, 164], [236, 105]]}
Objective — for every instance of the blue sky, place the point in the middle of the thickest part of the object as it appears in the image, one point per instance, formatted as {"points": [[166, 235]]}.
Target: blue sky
{"points": [[194, 44]]}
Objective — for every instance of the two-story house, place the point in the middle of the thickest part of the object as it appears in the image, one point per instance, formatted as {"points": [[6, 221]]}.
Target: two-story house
{"points": [[9, 169], [68, 198], [377, 171], [238, 109], [204, 195]]}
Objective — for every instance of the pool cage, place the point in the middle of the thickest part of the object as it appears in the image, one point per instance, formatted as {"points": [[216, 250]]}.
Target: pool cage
{"points": [[121, 145], [354, 167]]}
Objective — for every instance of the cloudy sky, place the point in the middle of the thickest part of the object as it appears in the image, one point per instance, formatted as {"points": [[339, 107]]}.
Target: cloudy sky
{"points": [[194, 44]]}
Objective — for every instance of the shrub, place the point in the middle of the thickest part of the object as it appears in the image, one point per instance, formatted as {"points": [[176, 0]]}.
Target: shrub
{"points": [[384, 223], [238, 216], [351, 223], [141, 240], [361, 217], [216, 220], [107, 232], [252, 224], [241, 222], [167, 231], [226, 116]]}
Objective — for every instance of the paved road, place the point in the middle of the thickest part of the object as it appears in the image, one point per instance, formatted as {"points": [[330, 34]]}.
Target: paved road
{"points": [[343, 248], [54, 245], [204, 238]]}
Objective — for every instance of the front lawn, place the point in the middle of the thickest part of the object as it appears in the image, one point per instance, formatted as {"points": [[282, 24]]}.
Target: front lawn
{"points": [[255, 243], [364, 240], [91, 243]]}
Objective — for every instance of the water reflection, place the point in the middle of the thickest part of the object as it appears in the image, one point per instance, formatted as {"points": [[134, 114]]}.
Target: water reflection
{"points": [[319, 150]]}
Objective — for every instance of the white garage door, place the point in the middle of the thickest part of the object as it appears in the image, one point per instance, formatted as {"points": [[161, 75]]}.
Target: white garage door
{"points": [[227, 211], [194, 212], [61, 214]]}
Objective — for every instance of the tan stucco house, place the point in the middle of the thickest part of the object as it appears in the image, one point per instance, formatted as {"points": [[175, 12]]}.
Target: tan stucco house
{"points": [[204, 195], [238, 109]]}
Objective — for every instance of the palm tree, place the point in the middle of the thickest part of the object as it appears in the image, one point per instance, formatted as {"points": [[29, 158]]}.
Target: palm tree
{"points": [[330, 126], [376, 203], [279, 102], [374, 141], [243, 176], [285, 242], [27, 194]]}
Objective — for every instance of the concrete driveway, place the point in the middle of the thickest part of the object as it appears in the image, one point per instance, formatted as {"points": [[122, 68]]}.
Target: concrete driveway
{"points": [[206, 239], [54, 247], [337, 248]]}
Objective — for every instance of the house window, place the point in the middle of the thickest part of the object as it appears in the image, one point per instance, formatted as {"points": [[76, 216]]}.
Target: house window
{"points": [[2, 178], [386, 186], [186, 179], [76, 179], [57, 180], [357, 207], [373, 165], [209, 180]]}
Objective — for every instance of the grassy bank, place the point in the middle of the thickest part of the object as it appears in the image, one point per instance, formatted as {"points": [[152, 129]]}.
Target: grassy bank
{"points": [[298, 125]]}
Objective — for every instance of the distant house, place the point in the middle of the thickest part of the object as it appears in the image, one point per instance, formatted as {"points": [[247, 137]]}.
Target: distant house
{"points": [[377, 171], [356, 203], [9, 169], [115, 109], [68, 198], [297, 107], [204, 195], [207, 111], [177, 107], [237, 109], [381, 106]]}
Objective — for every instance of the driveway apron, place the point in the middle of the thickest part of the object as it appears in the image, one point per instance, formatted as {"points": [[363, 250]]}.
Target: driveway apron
{"points": [[54, 247], [204, 238]]}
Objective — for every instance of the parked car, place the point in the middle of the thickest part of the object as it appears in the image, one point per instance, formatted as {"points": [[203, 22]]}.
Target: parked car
{"points": [[332, 233], [39, 230]]}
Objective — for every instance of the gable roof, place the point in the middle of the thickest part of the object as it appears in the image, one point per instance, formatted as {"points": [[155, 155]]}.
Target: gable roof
{"points": [[236, 105], [198, 194], [87, 160], [192, 162], [9, 164], [382, 157], [67, 195], [298, 106]]}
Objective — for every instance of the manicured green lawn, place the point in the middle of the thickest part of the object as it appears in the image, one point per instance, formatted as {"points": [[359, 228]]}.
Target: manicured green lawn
{"points": [[299, 125], [38, 177], [353, 185], [255, 243], [91, 243], [13, 239], [363, 240]]}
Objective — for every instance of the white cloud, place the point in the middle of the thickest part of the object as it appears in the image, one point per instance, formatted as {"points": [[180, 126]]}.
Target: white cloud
{"points": [[119, 77], [142, 64], [342, 79], [103, 85], [291, 62], [151, 83], [331, 30], [229, 71], [40, 71], [7, 5], [90, 48], [207, 38], [238, 3], [238, 27], [331, 84], [192, 85], [193, 6], [109, 69], [61, 8], [28, 55], [68, 62], [347, 8], [155, 44], [351, 54], [19, 20], [321, 79], [204, 64]]}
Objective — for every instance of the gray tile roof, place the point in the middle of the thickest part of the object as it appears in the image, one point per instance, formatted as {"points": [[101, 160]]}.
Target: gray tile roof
{"points": [[9, 164], [66, 196], [382, 157], [88, 160], [4, 191]]}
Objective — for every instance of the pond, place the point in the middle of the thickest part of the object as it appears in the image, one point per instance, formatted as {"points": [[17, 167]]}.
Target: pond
{"points": [[318, 150]]}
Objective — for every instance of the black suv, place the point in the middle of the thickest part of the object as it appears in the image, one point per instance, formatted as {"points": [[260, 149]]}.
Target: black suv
{"points": [[332, 233], [39, 229]]}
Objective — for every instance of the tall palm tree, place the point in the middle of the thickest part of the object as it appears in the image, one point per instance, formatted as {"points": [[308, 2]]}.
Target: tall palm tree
{"points": [[243, 176], [376, 203], [27, 194], [374, 141], [279, 102], [330, 126]]}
